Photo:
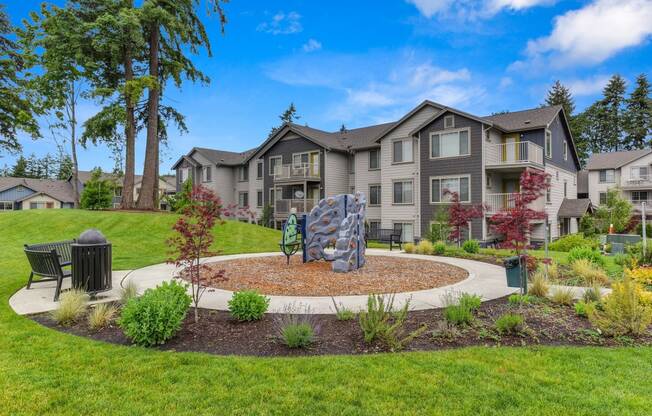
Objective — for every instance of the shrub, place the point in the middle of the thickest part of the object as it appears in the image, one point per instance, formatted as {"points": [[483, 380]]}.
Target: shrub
{"points": [[471, 302], [380, 322], [581, 309], [510, 323], [409, 248], [586, 253], [248, 305], [517, 299], [587, 225], [298, 335], [439, 248], [539, 285], [625, 260], [642, 275], [570, 241], [459, 309], [72, 306], [592, 294], [101, 316], [471, 246], [342, 313], [157, 315], [623, 311], [589, 272], [128, 292], [296, 326], [424, 247], [562, 295], [648, 229]]}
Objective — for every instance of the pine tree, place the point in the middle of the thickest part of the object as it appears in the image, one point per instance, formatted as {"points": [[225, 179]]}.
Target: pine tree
{"points": [[288, 116], [638, 115], [611, 113], [560, 95], [19, 169]]}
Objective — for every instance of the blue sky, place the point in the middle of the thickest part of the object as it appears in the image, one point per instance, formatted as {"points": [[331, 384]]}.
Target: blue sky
{"points": [[366, 62]]}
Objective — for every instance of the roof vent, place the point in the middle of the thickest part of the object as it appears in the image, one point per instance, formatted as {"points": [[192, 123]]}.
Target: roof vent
{"points": [[527, 122]]}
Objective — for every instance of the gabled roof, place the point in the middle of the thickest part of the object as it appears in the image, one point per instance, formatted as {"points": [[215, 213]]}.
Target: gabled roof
{"points": [[574, 208], [222, 157], [425, 103], [448, 110], [57, 189], [615, 160], [525, 119]]}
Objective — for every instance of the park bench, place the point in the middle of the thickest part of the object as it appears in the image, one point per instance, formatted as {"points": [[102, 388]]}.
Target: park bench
{"points": [[48, 261]]}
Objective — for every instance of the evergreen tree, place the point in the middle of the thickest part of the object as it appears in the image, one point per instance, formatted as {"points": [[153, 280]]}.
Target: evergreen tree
{"points": [[98, 192], [610, 116], [638, 115], [288, 116], [560, 95], [19, 169]]}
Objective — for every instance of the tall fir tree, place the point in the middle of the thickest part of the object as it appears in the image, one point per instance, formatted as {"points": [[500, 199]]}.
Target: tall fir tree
{"points": [[19, 169], [560, 95], [288, 116], [638, 116], [611, 112]]}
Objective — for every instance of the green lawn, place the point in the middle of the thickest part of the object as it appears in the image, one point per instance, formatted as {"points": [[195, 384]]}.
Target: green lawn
{"points": [[43, 371]]}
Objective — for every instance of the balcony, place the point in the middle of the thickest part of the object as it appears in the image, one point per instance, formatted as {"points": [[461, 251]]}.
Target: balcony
{"points": [[292, 172], [497, 202], [514, 154], [637, 181], [283, 207]]}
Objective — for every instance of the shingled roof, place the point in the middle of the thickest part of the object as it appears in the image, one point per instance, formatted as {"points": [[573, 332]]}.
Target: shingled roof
{"points": [[614, 160], [525, 119], [222, 157], [57, 189], [574, 208]]}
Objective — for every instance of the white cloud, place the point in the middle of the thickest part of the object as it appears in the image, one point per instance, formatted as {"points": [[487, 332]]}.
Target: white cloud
{"points": [[588, 86], [505, 82], [472, 9], [594, 33], [282, 24], [311, 45]]}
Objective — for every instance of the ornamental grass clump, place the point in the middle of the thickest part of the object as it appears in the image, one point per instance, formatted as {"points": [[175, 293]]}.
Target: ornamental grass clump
{"points": [[101, 316], [72, 306], [157, 315], [342, 312], [439, 248], [588, 272], [296, 326], [539, 285], [248, 305], [623, 311], [562, 295], [128, 292], [381, 322], [424, 247], [459, 309]]}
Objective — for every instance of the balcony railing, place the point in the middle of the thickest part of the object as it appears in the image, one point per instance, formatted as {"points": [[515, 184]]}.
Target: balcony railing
{"points": [[638, 180], [285, 206], [498, 202], [515, 153], [296, 172]]}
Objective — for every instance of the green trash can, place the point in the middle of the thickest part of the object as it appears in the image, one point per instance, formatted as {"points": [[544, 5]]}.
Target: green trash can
{"points": [[514, 273]]}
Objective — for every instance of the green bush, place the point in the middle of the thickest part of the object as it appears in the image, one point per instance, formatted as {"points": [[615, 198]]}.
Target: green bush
{"points": [[439, 248], [248, 305], [587, 253], [648, 229], [342, 312], [517, 299], [471, 246], [510, 323], [624, 260], [623, 311], [424, 247], [587, 225], [469, 301], [156, 316], [381, 322], [570, 241], [298, 335], [459, 310], [581, 309]]}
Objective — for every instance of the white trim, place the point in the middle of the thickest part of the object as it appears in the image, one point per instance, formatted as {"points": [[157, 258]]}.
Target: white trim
{"points": [[392, 151], [565, 150], [452, 124], [271, 164], [448, 131], [377, 158], [262, 194], [547, 149], [260, 162], [380, 196], [432, 178], [403, 180]]}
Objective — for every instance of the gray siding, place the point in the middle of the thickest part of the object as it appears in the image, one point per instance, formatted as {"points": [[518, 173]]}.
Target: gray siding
{"points": [[465, 165], [558, 136], [185, 164], [12, 194]]}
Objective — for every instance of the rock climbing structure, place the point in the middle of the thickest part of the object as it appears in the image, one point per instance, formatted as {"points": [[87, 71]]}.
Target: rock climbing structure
{"points": [[337, 222]]}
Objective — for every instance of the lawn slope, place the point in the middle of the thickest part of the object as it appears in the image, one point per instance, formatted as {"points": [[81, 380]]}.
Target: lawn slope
{"points": [[46, 372]]}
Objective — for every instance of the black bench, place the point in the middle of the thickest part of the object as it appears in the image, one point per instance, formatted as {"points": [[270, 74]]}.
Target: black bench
{"points": [[48, 260], [385, 236], [63, 249]]}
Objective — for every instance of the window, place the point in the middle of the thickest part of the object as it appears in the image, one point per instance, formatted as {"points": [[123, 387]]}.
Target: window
{"points": [[449, 144], [243, 173], [639, 196], [374, 159], [374, 195], [402, 151], [272, 196], [41, 205], [6, 206], [374, 226], [259, 198], [243, 199], [639, 172], [602, 198], [49, 205], [206, 173], [117, 191], [548, 144], [439, 186], [607, 176], [565, 189], [549, 192], [402, 192], [406, 229], [488, 181], [273, 163], [184, 174], [449, 122], [259, 169], [565, 150]]}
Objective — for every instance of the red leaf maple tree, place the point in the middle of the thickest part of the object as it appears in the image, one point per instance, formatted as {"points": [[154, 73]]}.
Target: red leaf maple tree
{"points": [[460, 215]]}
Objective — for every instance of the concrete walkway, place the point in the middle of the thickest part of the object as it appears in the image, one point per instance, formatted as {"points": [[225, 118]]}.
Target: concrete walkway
{"points": [[485, 280]]}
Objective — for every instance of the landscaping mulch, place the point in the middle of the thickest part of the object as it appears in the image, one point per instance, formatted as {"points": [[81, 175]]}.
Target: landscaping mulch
{"points": [[381, 274], [218, 333]]}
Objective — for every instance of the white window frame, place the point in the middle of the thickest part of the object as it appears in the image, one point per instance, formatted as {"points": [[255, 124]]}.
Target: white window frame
{"points": [[403, 223], [394, 162], [262, 169], [565, 188], [271, 165], [395, 181], [380, 194], [548, 144], [637, 169], [262, 198], [373, 221], [458, 131], [600, 198], [272, 201], [565, 150], [441, 195], [377, 152], [5, 204], [204, 177], [450, 125], [606, 179], [638, 193], [489, 181], [240, 195], [184, 174]]}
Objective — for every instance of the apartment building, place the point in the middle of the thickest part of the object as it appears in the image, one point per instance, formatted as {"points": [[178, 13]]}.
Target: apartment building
{"points": [[629, 171], [404, 167]]}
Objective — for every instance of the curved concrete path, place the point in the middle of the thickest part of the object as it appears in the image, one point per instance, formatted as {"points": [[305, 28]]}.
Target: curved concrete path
{"points": [[485, 280]]}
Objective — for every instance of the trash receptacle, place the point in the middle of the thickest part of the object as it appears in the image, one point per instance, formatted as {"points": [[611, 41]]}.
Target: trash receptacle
{"points": [[91, 262], [513, 272]]}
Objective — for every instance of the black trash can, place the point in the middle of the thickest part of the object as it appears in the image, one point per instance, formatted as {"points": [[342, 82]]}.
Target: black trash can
{"points": [[514, 273], [91, 262]]}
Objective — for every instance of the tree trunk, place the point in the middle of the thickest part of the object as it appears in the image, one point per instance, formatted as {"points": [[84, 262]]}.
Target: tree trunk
{"points": [[73, 147], [146, 197], [130, 138]]}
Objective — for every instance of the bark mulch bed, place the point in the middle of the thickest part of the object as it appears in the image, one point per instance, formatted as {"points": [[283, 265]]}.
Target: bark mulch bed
{"points": [[218, 333], [381, 274]]}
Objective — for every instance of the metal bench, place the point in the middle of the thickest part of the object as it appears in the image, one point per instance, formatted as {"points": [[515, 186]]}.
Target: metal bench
{"points": [[63, 249], [47, 266], [385, 236]]}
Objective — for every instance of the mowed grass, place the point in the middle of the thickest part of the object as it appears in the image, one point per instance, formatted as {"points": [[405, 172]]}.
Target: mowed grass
{"points": [[43, 371]]}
